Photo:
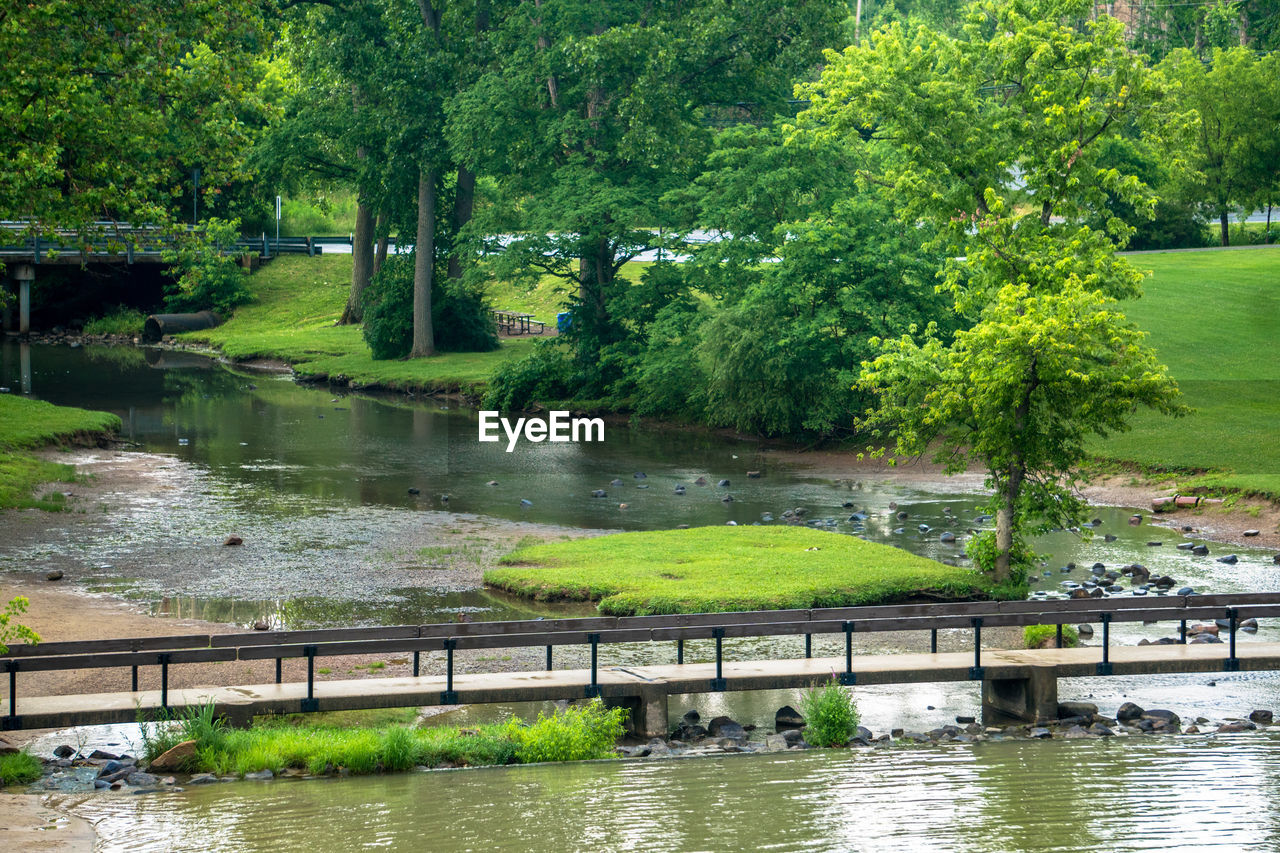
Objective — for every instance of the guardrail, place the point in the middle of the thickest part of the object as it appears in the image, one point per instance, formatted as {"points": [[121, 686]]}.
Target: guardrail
{"points": [[143, 245], [593, 631]]}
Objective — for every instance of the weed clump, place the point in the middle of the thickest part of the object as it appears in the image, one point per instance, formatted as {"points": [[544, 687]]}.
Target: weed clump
{"points": [[831, 714]]}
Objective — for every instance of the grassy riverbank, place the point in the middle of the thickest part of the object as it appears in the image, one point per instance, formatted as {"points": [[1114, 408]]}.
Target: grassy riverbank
{"points": [[576, 733], [297, 301], [716, 569], [1214, 319], [1212, 316], [27, 424]]}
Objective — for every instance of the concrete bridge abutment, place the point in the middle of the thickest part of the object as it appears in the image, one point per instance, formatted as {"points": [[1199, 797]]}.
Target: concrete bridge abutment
{"points": [[647, 711], [1030, 698], [24, 274]]}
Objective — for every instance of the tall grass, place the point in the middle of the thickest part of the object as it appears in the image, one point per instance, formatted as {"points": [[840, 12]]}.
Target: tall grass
{"points": [[19, 768], [280, 744], [118, 321]]}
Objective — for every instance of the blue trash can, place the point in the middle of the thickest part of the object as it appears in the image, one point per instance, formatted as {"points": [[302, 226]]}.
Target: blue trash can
{"points": [[563, 320]]}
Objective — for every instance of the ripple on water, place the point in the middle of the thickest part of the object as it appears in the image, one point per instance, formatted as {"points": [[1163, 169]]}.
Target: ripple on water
{"points": [[1123, 794]]}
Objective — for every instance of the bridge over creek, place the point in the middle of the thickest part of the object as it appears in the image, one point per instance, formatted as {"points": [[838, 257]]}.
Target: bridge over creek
{"points": [[117, 243], [1016, 684]]}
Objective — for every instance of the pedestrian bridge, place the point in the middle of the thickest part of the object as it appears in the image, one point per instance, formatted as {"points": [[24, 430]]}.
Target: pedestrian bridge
{"points": [[1016, 684]]}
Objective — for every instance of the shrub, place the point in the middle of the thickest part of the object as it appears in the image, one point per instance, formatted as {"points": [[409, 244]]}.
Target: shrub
{"points": [[11, 630], [119, 321], [206, 270], [578, 733], [19, 768], [546, 373], [460, 316], [831, 714], [1045, 637]]}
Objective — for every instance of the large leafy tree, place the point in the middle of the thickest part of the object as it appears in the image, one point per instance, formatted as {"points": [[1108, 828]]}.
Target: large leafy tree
{"points": [[805, 269], [993, 136], [595, 109], [1219, 126], [107, 106]]}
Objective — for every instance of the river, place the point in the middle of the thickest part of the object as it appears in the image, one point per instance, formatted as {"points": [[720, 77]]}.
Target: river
{"points": [[317, 478], [1167, 794]]}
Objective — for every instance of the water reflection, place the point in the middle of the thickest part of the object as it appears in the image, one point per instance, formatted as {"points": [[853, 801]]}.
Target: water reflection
{"points": [[1054, 796]]}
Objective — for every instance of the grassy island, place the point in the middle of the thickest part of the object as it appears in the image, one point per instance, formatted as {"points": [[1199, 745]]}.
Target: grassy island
{"points": [[26, 424], [712, 569]]}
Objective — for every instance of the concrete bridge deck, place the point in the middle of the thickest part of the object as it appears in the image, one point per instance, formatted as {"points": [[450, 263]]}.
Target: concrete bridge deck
{"points": [[1016, 684]]}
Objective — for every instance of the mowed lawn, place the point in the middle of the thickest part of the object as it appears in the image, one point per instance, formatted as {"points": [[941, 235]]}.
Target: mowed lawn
{"points": [[297, 301], [714, 569], [1214, 319]]}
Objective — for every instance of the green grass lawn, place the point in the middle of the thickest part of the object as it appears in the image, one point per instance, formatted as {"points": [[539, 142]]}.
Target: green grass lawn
{"points": [[297, 302], [27, 423], [1214, 319], [716, 569]]}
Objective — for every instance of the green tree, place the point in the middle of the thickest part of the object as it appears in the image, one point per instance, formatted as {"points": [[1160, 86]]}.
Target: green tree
{"points": [[10, 629], [595, 109], [993, 136], [107, 106], [1218, 126], [806, 269]]}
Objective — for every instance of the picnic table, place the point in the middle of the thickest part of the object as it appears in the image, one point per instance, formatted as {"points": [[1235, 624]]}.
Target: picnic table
{"points": [[518, 323]]}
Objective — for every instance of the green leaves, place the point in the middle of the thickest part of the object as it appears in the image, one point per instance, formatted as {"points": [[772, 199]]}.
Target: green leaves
{"points": [[105, 105]]}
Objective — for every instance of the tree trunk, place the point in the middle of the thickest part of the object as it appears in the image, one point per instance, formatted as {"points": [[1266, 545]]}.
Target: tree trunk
{"points": [[1004, 526], [361, 264], [380, 253], [463, 206], [424, 339], [1224, 220]]}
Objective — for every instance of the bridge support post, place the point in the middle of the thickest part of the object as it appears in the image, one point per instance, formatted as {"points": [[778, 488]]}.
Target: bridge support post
{"points": [[1030, 699], [647, 711], [24, 274]]}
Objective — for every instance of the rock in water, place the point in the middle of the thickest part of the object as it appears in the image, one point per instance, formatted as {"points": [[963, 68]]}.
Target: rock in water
{"points": [[174, 758], [262, 625], [726, 727], [1129, 711], [233, 540], [55, 575], [788, 718], [1076, 709], [1230, 559], [1262, 717]]}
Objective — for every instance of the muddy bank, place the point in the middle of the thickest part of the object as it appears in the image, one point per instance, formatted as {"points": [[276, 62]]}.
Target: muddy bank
{"points": [[1222, 524], [152, 525], [27, 824]]}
